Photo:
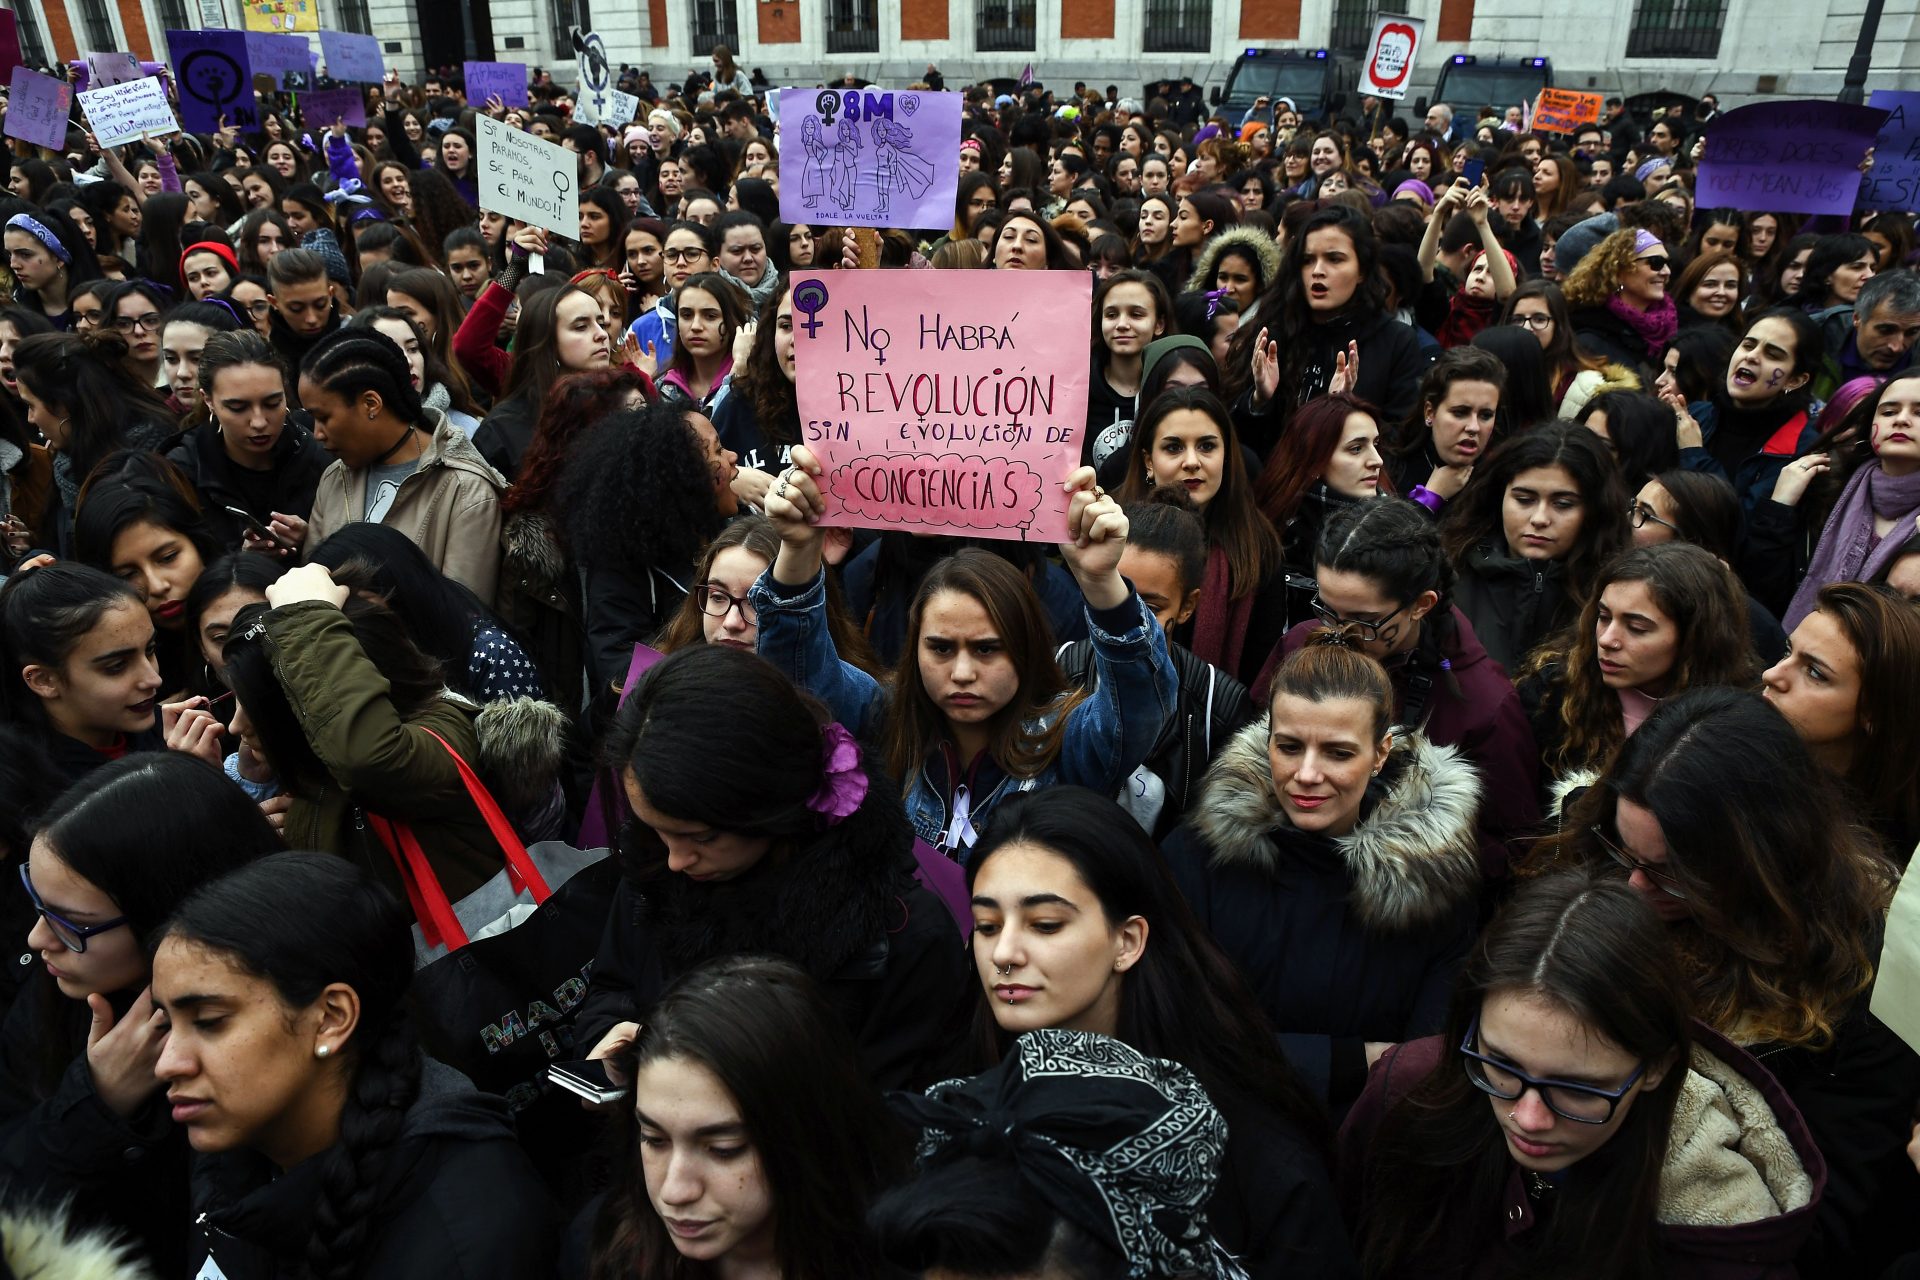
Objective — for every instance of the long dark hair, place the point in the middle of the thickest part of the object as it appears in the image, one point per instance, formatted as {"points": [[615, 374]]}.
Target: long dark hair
{"points": [[1884, 631], [637, 492], [44, 615], [768, 389], [1639, 431], [1413, 438], [763, 1029], [303, 921], [133, 487], [536, 362], [1183, 999], [87, 376], [1528, 398], [1284, 312], [1437, 1171]]}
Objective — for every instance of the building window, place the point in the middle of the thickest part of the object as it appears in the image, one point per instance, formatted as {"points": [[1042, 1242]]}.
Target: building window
{"points": [[1004, 26], [1353, 22], [96, 27], [1676, 28], [1179, 26], [714, 22], [352, 16], [173, 15], [32, 51], [567, 14], [852, 27]]}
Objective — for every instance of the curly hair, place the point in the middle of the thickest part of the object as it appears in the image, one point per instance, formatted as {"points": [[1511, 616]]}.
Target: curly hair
{"points": [[637, 491], [572, 405], [1597, 277], [1708, 608]]}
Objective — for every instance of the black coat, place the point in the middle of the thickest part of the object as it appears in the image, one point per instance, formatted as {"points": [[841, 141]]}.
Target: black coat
{"points": [[883, 948], [1342, 940], [1391, 364], [623, 608], [1210, 707], [128, 1174], [1512, 602], [504, 437], [459, 1200], [1274, 1206], [298, 461], [1602, 333]]}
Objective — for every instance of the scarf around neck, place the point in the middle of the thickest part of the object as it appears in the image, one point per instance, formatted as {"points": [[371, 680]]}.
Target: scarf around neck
{"points": [[1655, 327], [1220, 623], [1848, 551]]}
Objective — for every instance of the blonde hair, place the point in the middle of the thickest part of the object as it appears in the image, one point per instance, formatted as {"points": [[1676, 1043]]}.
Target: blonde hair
{"points": [[1597, 278]]}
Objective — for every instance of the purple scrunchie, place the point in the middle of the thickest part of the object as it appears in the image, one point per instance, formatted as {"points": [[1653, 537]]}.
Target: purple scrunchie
{"points": [[843, 783]]}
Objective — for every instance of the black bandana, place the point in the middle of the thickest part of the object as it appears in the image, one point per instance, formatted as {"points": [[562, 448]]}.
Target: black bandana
{"points": [[1123, 1146]]}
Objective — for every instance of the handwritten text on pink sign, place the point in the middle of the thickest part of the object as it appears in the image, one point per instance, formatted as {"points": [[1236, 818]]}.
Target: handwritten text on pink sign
{"points": [[944, 402]]}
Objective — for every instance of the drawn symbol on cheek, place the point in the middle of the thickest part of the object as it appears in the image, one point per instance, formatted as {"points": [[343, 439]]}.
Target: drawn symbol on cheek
{"points": [[1773, 379], [826, 104]]}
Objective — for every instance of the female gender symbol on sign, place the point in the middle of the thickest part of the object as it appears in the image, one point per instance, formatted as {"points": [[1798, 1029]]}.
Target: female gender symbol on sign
{"points": [[210, 76], [809, 296]]}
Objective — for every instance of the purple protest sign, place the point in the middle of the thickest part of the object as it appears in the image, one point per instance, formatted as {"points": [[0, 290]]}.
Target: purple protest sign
{"points": [[1894, 180], [37, 108], [507, 80], [323, 106], [869, 157], [352, 57], [274, 54], [214, 79], [1787, 157], [9, 42], [104, 69]]}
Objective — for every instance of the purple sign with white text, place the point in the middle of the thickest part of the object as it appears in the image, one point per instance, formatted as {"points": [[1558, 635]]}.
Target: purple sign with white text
{"points": [[869, 157], [1787, 157]]}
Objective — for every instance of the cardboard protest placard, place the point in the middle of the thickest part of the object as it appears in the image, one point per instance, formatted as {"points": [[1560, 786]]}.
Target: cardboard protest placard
{"points": [[618, 108], [1388, 66], [528, 178], [37, 108], [111, 68], [214, 78], [505, 80], [1896, 985], [279, 56], [352, 58], [955, 406], [324, 106], [869, 157], [1566, 110], [1894, 180], [1787, 157], [121, 113]]}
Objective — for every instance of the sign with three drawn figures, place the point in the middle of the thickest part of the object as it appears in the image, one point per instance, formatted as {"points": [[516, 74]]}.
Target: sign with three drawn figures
{"points": [[869, 157]]}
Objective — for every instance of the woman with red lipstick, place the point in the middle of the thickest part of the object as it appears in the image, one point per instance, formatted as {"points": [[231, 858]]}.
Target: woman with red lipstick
{"points": [[139, 521], [1661, 619], [1334, 859], [1078, 926], [324, 1144], [133, 308], [1571, 1121], [1528, 536], [80, 1113], [723, 1175], [1185, 441], [1452, 427], [1775, 897], [81, 671], [1328, 459]]}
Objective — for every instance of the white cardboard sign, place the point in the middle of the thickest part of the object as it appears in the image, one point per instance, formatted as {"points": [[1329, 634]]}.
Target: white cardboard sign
{"points": [[528, 178]]}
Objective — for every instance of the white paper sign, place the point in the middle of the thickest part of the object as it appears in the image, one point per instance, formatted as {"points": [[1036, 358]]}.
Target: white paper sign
{"points": [[528, 179], [121, 113], [1896, 986], [619, 110], [1388, 69]]}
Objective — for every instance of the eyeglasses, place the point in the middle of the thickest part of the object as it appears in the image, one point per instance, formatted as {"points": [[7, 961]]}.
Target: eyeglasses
{"points": [[682, 255], [716, 603], [127, 324], [1377, 631], [1581, 1103], [1639, 514], [1658, 262], [72, 936], [1662, 879], [1536, 322], [259, 308]]}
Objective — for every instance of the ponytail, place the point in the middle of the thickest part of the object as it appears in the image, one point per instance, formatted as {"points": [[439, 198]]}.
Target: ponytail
{"points": [[1331, 666]]}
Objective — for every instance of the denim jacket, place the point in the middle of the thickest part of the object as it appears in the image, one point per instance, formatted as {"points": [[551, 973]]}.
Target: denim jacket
{"points": [[1107, 736]]}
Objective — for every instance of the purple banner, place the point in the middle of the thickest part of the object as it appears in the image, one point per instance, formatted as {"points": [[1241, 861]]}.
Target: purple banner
{"points": [[275, 55], [213, 78], [1787, 157], [323, 106], [352, 57], [508, 80], [1894, 180], [9, 42], [37, 109], [869, 157]]}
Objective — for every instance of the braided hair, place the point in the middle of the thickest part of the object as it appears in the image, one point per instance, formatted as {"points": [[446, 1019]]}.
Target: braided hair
{"points": [[303, 921], [351, 362], [1394, 543]]}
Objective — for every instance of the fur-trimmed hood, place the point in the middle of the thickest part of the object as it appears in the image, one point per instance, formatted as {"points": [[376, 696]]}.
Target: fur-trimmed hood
{"points": [[1413, 858], [1263, 247], [1589, 383], [44, 1247], [1563, 791]]}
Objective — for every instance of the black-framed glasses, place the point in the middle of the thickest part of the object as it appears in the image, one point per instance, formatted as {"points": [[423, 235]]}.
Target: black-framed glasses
{"points": [[1657, 262], [72, 936], [127, 324], [1580, 1103], [1639, 515], [716, 603], [1377, 631], [1661, 878], [1537, 322], [682, 255]]}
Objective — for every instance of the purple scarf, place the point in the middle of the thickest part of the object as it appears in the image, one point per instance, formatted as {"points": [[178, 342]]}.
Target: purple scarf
{"points": [[1848, 551], [1656, 327]]}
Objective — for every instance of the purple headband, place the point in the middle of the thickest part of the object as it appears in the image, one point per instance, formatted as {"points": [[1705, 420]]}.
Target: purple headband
{"points": [[1644, 240], [40, 231]]}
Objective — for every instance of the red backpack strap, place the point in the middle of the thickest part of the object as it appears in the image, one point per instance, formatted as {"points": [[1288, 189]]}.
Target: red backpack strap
{"points": [[431, 908], [520, 869]]}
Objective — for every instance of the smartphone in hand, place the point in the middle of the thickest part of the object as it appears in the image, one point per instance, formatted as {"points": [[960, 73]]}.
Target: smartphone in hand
{"points": [[596, 1080]]}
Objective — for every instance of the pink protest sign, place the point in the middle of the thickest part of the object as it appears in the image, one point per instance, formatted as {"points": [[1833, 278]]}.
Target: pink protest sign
{"points": [[946, 402], [869, 157], [37, 108]]}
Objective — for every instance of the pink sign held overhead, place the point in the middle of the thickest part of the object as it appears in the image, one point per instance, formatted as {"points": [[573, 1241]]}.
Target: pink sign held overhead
{"points": [[954, 406]]}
